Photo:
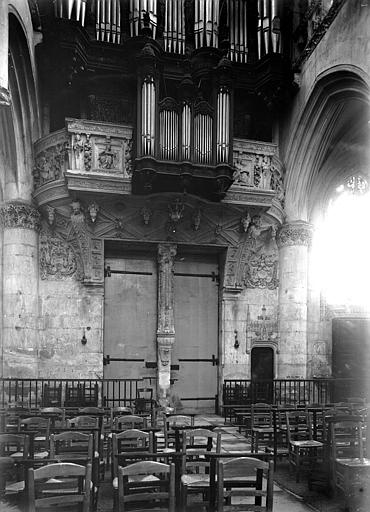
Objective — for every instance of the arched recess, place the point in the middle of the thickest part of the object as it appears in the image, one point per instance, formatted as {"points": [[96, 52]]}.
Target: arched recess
{"points": [[330, 141], [20, 121]]}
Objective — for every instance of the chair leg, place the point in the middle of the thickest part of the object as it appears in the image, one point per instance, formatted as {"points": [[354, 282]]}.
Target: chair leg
{"points": [[184, 498]]}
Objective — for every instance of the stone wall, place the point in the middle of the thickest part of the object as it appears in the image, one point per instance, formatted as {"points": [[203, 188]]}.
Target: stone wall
{"points": [[70, 311]]}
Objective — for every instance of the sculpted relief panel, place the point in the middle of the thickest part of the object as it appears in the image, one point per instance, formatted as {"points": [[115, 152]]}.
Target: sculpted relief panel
{"points": [[57, 258]]}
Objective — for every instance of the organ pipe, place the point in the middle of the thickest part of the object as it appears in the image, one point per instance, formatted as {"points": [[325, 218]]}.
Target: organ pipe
{"points": [[206, 21], [174, 28], [223, 125], [137, 9], [237, 21], [186, 131], [148, 101]]}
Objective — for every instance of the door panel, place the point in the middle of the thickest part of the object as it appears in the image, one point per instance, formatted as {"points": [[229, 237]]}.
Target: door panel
{"points": [[196, 327], [130, 316]]}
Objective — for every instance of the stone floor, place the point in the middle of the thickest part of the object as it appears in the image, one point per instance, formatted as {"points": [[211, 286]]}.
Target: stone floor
{"points": [[288, 495]]}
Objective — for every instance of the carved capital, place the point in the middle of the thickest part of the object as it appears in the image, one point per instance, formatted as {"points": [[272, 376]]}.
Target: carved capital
{"points": [[295, 233], [20, 215]]}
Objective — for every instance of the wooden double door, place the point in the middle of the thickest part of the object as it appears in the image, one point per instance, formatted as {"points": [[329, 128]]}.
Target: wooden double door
{"points": [[130, 324]]}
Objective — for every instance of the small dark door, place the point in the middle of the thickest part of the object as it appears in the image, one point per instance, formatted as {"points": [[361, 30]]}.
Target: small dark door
{"points": [[262, 372], [351, 357]]}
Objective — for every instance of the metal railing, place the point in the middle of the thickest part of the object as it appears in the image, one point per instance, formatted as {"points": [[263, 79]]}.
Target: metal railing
{"points": [[34, 393], [289, 391]]}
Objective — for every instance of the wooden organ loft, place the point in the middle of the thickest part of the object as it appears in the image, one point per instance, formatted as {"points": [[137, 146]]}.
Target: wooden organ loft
{"points": [[187, 75]]}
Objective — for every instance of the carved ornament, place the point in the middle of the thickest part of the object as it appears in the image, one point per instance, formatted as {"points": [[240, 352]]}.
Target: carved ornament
{"points": [[50, 164], [20, 215], [57, 258], [166, 261], [264, 330], [262, 271], [295, 233]]}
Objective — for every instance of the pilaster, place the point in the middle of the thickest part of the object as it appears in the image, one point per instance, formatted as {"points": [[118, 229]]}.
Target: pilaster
{"points": [[166, 323]]}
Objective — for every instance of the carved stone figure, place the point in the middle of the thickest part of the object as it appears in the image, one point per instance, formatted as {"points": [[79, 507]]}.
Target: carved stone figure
{"points": [[50, 211], [107, 158], [245, 222], [93, 209], [49, 165], [196, 218], [146, 214], [78, 148], [87, 153]]}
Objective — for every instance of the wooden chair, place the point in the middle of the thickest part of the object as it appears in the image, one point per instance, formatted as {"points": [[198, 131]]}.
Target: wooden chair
{"points": [[244, 479], [63, 487], [128, 441], [261, 426], [77, 447], [41, 425], [170, 423], [346, 445], [195, 465], [303, 450], [146, 485], [86, 422], [13, 449]]}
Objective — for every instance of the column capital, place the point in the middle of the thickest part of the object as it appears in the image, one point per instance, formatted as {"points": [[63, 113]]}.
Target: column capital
{"points": [[20, 215], [298, 232]]}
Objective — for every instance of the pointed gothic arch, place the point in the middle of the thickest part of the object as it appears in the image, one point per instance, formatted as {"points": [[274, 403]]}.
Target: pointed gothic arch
{"points": [[331, 134]]}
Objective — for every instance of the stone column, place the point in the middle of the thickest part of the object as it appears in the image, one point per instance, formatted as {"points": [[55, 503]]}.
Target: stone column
{"points": [[293, 241], [166, 321], [4, 45], [20, 223]]}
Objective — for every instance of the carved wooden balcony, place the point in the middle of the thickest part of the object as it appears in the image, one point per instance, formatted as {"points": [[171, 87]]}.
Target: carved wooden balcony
{"points": [[258, 176], [86, 156], [96, 158]]}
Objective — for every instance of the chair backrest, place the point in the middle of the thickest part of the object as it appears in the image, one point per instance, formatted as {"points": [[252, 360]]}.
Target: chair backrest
{"points": [[56, 414], [55, 484], [179, 420], [92, 411], [247, 477], [39, 423], [299, 425], [261, 415], [126, 421], [130, 440], [174, 420], [147, 482], [346, 437], [195, 445], [14, 445], [83, 421], [72, 442]]}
